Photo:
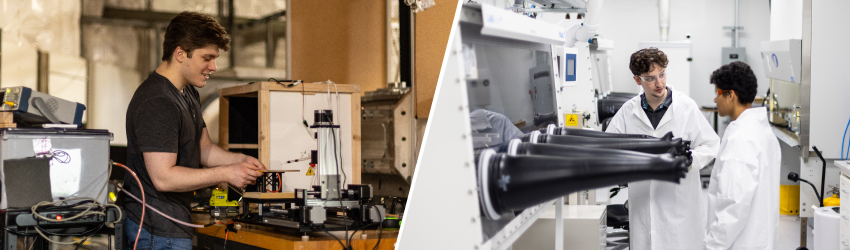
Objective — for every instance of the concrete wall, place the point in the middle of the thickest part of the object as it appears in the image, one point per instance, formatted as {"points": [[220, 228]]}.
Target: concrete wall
{"points": [[121, 57], [49, 26]]}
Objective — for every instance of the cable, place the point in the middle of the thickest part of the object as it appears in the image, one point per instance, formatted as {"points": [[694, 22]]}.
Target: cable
{"points": [[380, 229], [225, 239], [847, 155], [355, 232], [142, 190], [337, 239], [87, 212], [109, 171], [291, 82], [87, 203], [157, 211], [337, 156], [81, 244], [843, 156], [816, 191], [39, 104], [338, 160]]}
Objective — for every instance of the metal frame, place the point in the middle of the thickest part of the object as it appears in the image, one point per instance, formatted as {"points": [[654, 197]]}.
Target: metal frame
{"points": [[156, 20], [506, 237], [561, 10], [806, 82], [448, 158]]}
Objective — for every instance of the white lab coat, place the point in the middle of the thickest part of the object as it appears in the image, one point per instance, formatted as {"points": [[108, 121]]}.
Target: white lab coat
{"points": [[743, 196], [666, 215]]}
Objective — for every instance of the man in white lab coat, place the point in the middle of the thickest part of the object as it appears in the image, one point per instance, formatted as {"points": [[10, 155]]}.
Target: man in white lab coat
{"points": [[743, 195], [665, 215]]}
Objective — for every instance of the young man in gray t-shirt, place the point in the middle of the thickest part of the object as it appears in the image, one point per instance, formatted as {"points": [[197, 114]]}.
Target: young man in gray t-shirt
{"points": [[167, 139]]}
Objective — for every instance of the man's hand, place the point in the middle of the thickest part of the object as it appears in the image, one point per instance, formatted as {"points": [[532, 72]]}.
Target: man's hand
{"points": [[242, 173], [253, 161]]}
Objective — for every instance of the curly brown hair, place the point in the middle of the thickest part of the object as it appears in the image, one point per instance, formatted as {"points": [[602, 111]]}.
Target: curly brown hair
{"points": [[739, 77], [642, 60], [191, 30]]}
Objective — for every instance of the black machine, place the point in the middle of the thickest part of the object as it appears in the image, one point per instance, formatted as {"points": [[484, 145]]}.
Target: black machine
{"points": [[318, 208], [21, 222], [541, 167], [32, 211], [308, 212]]}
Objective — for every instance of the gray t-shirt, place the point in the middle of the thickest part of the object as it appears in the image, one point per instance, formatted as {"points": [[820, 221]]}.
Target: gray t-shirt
{"points": [[161, 118]]}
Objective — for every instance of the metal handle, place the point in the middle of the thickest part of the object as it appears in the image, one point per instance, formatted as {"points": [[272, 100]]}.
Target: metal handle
{"points": [[794, 109], [386, 147], [845, 217], [844, 243]]}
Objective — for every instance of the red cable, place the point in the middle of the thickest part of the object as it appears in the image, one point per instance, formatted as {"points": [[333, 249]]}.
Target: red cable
{"points": [[141, 189]]}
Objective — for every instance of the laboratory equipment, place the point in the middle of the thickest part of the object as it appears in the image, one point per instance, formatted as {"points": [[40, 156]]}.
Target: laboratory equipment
{"points": [[554, 130], [33, 107], [318, 208], [514, 182]]}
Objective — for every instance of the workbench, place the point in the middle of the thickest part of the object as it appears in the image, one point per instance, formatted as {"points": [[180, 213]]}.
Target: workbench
{"points": [[259, 237]]}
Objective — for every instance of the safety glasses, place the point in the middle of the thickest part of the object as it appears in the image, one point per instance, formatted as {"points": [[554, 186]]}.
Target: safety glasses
{"points": [[721, 92], [661, 76]]}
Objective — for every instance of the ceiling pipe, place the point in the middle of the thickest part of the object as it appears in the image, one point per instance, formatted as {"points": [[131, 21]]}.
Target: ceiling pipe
{"points": [[586, 30], [735, 29], [664, 19]]}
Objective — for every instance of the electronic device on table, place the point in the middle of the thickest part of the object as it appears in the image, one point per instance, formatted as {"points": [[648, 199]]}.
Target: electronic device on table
{"points": [[33, 107], [47, 208]]}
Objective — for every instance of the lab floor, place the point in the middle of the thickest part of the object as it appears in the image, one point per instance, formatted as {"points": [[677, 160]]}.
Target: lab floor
{"points": [[788, 237]]}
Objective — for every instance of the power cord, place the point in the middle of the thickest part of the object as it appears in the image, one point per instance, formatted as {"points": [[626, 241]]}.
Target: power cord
{"points": [[355, 233], [81, 244], [84, 202], [380, 229], [337, 238], [292, 83], [142, 190]]}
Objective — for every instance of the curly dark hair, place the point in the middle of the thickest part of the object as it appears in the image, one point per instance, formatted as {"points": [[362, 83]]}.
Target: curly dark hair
{"points": [[739, 77], [642, 60], [191, 30]]}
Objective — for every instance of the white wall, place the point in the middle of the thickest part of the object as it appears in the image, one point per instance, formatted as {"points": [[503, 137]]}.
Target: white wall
{"points": [[786, 19], [628, 22]]}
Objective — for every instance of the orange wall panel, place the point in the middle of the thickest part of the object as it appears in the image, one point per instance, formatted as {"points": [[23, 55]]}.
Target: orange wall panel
{"points": [[339, 40], [433, 27]]}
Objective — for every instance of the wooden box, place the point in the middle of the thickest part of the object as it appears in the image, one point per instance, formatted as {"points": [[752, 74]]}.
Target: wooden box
{"points": [[266, 120]]}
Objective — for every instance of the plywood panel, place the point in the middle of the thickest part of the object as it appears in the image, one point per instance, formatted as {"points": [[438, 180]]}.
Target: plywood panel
{"points": [[367, 61], [433, 27], [340, 40]]}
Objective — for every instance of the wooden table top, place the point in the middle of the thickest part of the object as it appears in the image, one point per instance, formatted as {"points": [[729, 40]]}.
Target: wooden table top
{"points": [[271, 238]]}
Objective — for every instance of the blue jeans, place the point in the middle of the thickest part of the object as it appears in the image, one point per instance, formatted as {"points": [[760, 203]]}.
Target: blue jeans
{"points": [[149, 241]]}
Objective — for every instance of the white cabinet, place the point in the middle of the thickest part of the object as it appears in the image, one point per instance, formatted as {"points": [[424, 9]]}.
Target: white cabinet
{"points": [[844, 219]]}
